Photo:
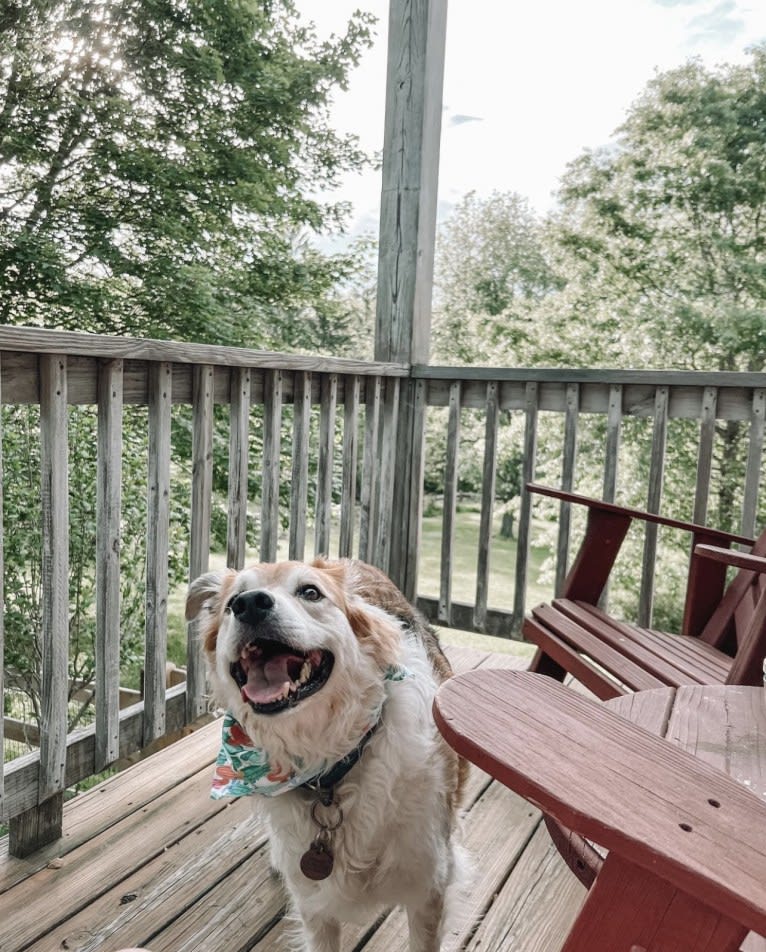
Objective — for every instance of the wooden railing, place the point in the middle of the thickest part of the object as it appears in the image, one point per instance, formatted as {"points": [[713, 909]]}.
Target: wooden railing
{"points": [[573, 401], [325, 432], [56, 370]]}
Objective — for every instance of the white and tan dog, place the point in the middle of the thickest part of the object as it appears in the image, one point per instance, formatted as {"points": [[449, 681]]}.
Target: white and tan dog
{"points": [[328, 675]]}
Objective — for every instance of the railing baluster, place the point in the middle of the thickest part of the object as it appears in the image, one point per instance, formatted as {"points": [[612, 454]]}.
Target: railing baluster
{"points": [[487, 506], [54, 455], [368, 516], [754, 458], [2, 613], [272, 431], [387, 454], [300, 464], [239, 431], [350, 441], [160, 386], [612, 453], [413, 514], [450, 505], [30, 794], [108, 516], [567, 481], [329, 401], [199, 541], [611, 458], [653, 504], [525, 513], [705, 454]]}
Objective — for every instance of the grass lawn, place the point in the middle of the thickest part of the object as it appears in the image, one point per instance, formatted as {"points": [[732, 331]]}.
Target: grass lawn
{"points": [[502, 565]]}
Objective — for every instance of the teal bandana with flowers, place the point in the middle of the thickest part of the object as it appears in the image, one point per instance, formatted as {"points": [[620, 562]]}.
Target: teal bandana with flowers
{"points": [[242, 769]]}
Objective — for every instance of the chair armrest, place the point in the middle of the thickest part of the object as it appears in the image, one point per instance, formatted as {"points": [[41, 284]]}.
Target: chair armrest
{"points": [[607, 527], [740, 560], [658, 807], [627, 511]]}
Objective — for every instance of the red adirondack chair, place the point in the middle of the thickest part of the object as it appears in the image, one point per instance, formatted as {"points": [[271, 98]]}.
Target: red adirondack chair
{"points": [[686, 869], [723, 636]]}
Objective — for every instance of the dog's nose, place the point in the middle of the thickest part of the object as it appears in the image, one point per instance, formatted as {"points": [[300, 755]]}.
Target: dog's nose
{"points": [[252, 607]]}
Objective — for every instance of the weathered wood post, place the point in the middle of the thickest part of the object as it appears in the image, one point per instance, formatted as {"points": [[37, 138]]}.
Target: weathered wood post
{"points": [[416, 42]]}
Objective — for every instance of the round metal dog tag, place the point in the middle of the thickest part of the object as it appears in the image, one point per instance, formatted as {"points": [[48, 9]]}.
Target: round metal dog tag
{"points": [[317, 862]]}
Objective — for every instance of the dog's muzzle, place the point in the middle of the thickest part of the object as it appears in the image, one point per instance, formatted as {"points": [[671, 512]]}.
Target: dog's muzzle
{"points": [[271, 673]]}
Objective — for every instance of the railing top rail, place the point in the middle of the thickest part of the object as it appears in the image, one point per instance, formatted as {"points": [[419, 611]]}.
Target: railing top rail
{"points": [[677, 378], [45, 341], [42, 340]]}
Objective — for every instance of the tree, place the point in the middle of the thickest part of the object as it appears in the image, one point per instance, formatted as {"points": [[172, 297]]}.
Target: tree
{"points": [[667, 236], [491, 271], [668, 223], [159, 162], [656, 257]]}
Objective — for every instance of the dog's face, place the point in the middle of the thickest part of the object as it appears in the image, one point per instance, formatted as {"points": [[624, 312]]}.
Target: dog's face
{"points": [[278, 636]]}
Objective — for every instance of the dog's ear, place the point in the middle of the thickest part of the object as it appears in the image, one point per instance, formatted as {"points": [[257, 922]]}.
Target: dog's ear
{"points": [[204, 588], [375, 629]]}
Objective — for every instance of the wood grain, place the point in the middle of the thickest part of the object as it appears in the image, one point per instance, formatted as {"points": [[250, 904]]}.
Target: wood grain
{"points": [[54, 453], [531, 406], [44, 341], [108, 518], [271, 465], [200, 528], [239, 433], [300, 464], [349, 471], [325, 465], [489, 471], [157, 543], [449, 505]]}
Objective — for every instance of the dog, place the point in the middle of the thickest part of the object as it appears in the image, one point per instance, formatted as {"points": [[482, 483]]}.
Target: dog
{"points": [[327, 675]]}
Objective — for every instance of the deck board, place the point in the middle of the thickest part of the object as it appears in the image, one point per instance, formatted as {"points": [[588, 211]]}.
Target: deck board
{"points": [[147, 859]]}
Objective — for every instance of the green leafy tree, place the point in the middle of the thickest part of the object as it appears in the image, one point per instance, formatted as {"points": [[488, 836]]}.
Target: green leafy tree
{"points": [[667, 239], [159, 162], [657, 256], [491, 275], [669, 221], [490, 272]]}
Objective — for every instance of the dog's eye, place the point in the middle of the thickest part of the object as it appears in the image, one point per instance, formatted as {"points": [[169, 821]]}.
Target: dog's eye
{"points": [[310, 592]]}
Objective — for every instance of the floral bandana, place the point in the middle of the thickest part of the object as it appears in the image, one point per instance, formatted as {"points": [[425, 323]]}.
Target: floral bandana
{"points": [[242, 769]]}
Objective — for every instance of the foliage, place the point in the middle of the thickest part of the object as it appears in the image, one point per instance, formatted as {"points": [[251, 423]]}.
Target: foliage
{"points": [[655, 257], [158, 162], [22, 545], [669, 221], [490, 272]]}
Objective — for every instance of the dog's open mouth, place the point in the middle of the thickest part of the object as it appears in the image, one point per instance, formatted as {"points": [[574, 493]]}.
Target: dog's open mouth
{"points": [[273, 676]]}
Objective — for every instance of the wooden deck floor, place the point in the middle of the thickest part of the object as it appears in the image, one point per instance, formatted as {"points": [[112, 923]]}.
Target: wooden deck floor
{"points": [[148, 859]]}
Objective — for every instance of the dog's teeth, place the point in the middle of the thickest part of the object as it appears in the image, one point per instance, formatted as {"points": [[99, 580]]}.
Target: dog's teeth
{"points": [[305, 672]]}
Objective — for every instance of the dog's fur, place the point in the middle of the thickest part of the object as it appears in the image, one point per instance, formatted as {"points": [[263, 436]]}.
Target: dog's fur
{"points": [[396, 843]]}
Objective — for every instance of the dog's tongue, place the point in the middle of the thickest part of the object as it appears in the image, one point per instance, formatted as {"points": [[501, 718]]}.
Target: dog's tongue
{"points": [[266, 681]]}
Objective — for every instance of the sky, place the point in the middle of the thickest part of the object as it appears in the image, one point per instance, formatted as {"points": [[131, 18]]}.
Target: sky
{"points": [[530, 84]]}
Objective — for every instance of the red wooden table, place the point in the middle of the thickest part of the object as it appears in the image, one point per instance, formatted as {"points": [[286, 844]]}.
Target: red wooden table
{"points": [[687, 844]]}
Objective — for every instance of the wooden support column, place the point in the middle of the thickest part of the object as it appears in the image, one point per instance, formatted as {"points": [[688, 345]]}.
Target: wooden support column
{"points": [[416, 41]]}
